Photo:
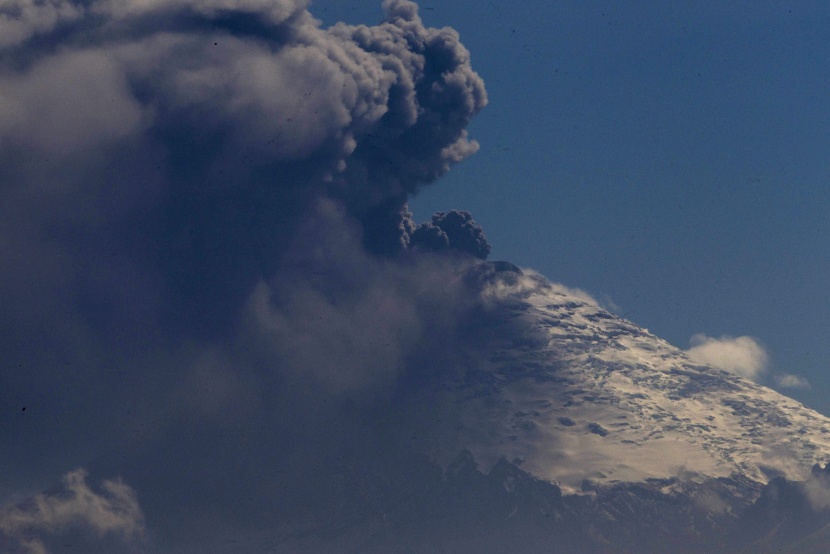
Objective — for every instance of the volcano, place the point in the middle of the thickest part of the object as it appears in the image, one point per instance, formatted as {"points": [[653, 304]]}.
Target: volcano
{"points": [[580, 396], [565, 428]]}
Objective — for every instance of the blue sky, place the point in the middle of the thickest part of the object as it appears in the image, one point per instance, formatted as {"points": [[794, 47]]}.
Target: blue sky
{"points": [[669, 157]]}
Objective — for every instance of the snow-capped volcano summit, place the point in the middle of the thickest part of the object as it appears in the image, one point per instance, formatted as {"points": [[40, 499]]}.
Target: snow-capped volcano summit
{"points": [[550, 424], [577, 395]]}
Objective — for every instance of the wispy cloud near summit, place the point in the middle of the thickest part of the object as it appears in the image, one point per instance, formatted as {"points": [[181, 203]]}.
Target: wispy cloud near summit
{"points": [[744, 356]]}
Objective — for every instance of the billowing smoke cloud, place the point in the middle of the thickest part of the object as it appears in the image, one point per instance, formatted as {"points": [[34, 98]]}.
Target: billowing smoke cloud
{"points": [[75, 506], [209, 255], [346, 320], [744, 356], [223, 119], [455, 230]]}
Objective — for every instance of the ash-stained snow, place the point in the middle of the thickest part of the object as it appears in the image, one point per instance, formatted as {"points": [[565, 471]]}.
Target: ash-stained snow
{"points": [[583, 396]]}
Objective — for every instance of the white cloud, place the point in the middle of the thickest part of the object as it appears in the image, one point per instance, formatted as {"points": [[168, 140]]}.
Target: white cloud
{"points": [[743, 356], [788, 381], [116, 511]]}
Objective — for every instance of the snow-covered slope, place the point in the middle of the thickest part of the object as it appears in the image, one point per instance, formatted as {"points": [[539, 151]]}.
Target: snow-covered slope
{"points": [[559, 426], [580, 397]]}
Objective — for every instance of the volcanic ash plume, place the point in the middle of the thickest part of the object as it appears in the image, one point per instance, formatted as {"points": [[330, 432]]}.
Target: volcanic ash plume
{"points": [[207, 248]]}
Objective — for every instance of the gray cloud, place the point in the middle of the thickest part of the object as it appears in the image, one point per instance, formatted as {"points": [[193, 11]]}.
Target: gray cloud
{"points": [[187, 137], [21, 20], [204, 206], [115, 511], [345, 320], [455, 230], [168, 165]]}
